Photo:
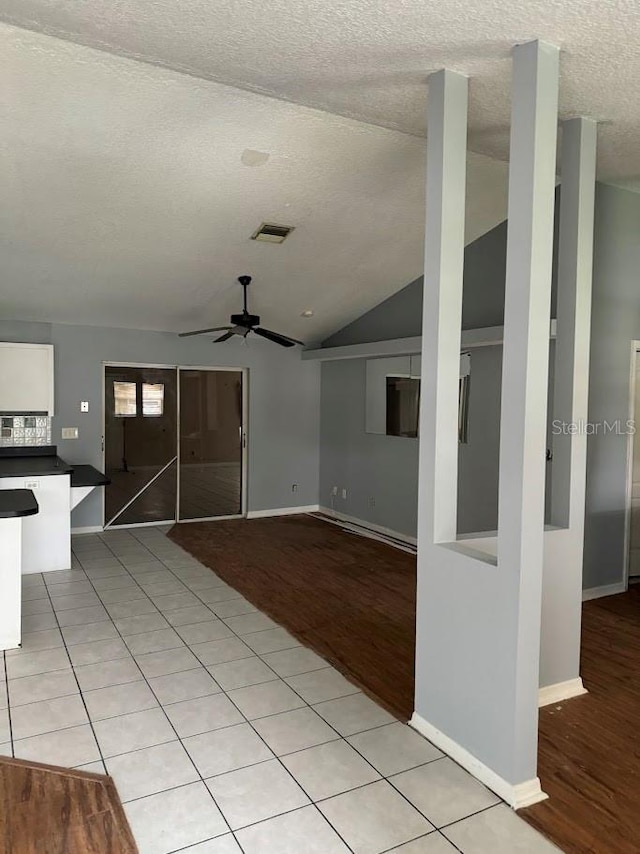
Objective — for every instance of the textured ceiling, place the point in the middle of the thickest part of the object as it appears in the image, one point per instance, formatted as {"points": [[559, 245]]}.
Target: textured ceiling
{"points": [[129, 191], [368, 59]]}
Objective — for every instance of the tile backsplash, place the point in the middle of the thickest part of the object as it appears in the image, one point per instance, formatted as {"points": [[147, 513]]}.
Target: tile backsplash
{"points": [[27, 430]]}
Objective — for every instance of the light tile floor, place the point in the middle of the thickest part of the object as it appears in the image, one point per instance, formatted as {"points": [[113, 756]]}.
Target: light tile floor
{"points": [[223, 733]]}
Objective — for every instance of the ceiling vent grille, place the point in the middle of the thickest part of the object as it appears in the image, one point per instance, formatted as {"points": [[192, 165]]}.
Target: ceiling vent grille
{"points": [[269, 232]]}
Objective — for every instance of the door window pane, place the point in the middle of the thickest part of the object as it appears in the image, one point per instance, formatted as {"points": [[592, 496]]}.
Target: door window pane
{"points": [[152, 399], [124, 395]]}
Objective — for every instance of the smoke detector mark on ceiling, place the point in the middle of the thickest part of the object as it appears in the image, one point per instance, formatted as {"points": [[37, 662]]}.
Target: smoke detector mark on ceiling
{"points": [[269, 232], [254, 158]]}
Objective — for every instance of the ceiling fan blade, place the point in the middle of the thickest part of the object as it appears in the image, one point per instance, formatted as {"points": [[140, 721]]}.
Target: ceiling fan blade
{"points": [[224, 337], [283, 340], [202, 331]]}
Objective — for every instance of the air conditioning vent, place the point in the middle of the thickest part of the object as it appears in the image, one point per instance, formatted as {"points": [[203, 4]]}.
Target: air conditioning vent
{"points": [[272, 233]]}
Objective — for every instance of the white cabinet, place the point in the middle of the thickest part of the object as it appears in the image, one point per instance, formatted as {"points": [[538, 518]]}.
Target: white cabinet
{"points": [[26, 378]]}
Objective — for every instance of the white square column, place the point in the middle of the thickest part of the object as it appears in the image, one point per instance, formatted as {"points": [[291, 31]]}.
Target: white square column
{"points": [[562, 583], [478, 614]]}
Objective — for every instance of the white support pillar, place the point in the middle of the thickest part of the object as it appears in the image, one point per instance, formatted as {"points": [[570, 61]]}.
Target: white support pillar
{"points": [[562, 586], [442, 304], [478, 616]]}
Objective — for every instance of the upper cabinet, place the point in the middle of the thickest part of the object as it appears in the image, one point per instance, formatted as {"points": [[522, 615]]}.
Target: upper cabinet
{"points": [[26, 378]]}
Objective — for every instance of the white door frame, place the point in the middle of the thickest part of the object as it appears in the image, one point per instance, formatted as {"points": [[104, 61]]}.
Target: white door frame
{"points": [[635, 349], [244, 438]]}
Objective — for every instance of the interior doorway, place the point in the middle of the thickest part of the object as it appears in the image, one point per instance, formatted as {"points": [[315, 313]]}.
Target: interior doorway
{"points": [[174, 444]]}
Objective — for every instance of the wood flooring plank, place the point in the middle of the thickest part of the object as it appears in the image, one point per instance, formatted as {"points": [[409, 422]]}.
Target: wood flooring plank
{"points": [[49, 810]]}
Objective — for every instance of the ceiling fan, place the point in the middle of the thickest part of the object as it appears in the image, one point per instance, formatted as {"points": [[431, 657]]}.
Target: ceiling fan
{"points": [[243, 324]]}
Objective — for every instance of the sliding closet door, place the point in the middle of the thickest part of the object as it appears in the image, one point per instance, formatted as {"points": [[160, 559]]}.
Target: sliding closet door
{"points": [[140, 444], [211, 443]]}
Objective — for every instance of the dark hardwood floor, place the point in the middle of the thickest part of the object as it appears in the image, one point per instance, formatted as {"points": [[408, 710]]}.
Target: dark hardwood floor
{"points": [[353, 601], [589, 751], [49, 810]]}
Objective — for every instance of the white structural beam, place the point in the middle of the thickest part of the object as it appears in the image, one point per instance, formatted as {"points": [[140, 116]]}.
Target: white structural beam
{"points": [[478, 618], [442, 304], [573, 324], [562, 583], [525, 368]]}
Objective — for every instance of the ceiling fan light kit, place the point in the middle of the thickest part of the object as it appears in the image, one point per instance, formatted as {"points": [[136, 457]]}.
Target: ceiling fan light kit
{"points": [[244, 323]]}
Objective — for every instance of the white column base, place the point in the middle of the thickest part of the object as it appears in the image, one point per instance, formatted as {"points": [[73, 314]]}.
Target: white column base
{"points": [[10, 583], [517, 795], [561, 691]]}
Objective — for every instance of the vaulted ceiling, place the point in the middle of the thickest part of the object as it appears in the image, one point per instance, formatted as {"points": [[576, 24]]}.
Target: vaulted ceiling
{"points": [[143, 142]]}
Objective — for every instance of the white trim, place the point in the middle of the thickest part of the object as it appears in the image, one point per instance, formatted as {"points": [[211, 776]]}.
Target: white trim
{"points": [[517, 796], [561, 691], [153, 524], [89, 529], [635, 346], [488, 336], [605, 590], [363, 523], [283, 511]]}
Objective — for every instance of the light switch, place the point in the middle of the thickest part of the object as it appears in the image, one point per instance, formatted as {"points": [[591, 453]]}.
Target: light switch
{"points": [[69, 432], [84, 406]]}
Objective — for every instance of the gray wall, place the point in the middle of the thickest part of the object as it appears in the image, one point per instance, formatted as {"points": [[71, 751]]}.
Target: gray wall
{"points": [[380, 472], [284, 394], [615, 324]]}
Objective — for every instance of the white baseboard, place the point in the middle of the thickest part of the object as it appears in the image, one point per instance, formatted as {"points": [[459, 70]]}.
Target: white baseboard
{"points": [[283, 511], [561, 691], [363, 523], [517, 796], [91, 529], [605, 590]]}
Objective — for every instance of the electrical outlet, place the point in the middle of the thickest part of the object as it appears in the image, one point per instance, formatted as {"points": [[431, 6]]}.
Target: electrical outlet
{"points": [[334, 490], [344, 493], [372, 501], [32, 484], [84, 406], [294, 487], [69, 432]]}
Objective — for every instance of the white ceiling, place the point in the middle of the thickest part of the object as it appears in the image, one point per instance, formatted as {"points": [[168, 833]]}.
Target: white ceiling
{"points": [[368, 59], [130, 193]]}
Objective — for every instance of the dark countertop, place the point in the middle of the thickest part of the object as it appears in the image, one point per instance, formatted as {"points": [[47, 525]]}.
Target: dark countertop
{"points": [[44, 461], [15, 503], [32, 466], [88, 476]]}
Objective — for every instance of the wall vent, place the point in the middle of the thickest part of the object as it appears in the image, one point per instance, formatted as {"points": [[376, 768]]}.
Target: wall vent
{"points": [[272, 233]]}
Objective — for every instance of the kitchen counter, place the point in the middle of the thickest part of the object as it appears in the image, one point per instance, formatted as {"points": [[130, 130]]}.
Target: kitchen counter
{"points": [[59, 487], [16, 503], [30, 466], [88, 476]]}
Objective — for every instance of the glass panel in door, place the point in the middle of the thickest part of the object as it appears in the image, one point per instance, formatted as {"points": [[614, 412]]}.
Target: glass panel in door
{"points": [[140, 445], [210, 471]]}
